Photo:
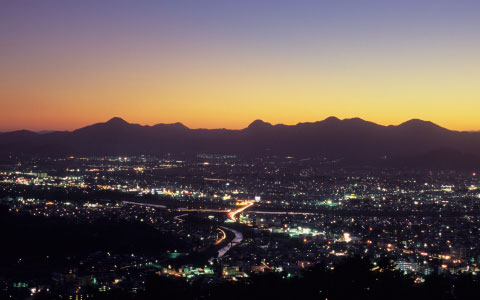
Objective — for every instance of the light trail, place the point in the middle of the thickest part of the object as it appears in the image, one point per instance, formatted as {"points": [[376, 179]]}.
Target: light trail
{"points": [[266, 265], [282, 212], [232, 214], [179, 217], [224, 236], [202, 210], [145, 204], [236, 240]]}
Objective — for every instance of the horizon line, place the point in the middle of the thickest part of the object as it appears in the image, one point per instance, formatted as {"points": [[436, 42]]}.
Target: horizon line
{"points": [[224, 128]]}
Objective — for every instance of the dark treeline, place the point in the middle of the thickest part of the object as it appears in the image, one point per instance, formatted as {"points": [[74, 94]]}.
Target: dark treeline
{"points": [[352, 279], [40, 241]]}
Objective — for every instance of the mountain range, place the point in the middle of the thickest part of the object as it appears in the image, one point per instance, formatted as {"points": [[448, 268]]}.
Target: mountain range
{"points": [[415, 142]]}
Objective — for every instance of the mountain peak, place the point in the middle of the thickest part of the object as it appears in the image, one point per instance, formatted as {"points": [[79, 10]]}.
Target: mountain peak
{"points": [[417, 124], [332, 119], [179, 125], [116, 121], [176, 125], [259, 124], [414, 122]]}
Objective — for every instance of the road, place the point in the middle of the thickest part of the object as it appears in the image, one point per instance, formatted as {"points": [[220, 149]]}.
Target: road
{"points": [[233, 213], [145, 204], [222, 238], [236, 240], [281, 212], [179, 217]]}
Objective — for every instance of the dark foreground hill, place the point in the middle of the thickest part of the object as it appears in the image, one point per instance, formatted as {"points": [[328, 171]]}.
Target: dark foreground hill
{"points": [[351, 278], [414, 142]]}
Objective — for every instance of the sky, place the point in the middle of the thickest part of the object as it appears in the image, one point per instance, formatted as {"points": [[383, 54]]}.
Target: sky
{"points": [[65, 64]]}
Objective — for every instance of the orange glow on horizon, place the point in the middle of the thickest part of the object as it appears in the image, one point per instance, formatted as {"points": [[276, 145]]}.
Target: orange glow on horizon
{"points": [[65, 64]]}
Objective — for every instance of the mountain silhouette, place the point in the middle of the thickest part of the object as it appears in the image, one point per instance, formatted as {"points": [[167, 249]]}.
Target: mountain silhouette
{"points": [[352, 140]]}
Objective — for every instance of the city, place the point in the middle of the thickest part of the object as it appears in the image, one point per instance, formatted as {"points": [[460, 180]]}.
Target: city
{"points": [[232, 150], [227, 219]]}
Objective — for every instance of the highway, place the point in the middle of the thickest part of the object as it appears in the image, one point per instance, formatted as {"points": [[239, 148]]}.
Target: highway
{"points": [[281, 212], [223, 237], [201, 210], [236, 240], [145, 204], [233, 213], [179, 217]]}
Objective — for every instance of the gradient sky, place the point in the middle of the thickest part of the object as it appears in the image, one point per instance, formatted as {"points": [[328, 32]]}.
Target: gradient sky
{"points": [[68, 63]]}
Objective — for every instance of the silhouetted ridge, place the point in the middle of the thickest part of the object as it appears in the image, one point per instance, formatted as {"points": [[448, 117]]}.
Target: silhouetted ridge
{"points": [[22, 132], [117, 121], [111, 125], [331, 119], [420, 124], [176, 125], [349, 140], [259, 124]]}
